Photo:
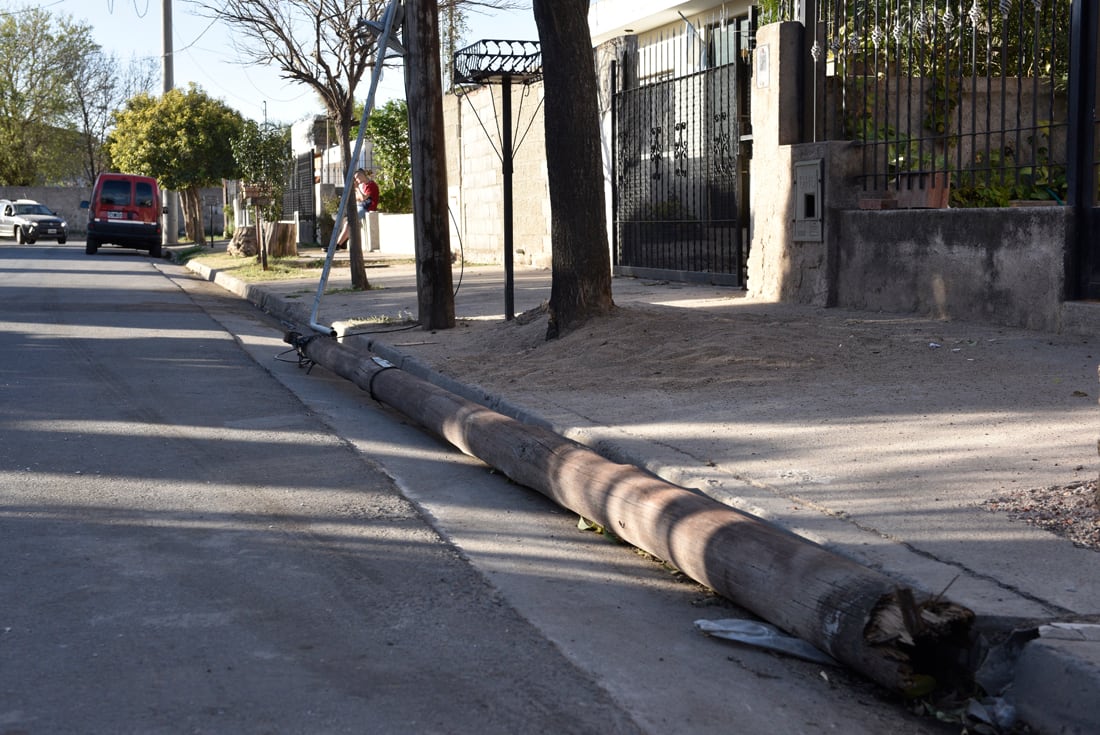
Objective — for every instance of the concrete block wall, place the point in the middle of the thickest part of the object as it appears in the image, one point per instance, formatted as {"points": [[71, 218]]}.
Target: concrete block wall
{"points": [[476, 179], [1003, 266], [62, 200], [779, 269]]}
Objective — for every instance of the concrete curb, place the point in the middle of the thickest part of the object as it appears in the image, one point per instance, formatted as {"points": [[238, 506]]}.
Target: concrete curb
{"points": [[1055, 686]]}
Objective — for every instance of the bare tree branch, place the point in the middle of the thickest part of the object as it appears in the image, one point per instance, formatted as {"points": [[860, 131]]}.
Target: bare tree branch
{"points": [[318, 43], [100, 88], [313, 42]]}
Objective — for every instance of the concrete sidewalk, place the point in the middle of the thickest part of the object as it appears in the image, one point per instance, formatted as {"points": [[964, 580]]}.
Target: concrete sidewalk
{"points": [[889, 470]]}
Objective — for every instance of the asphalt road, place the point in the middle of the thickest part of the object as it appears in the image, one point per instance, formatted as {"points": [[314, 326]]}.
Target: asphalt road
{"points": [[197, 535]]}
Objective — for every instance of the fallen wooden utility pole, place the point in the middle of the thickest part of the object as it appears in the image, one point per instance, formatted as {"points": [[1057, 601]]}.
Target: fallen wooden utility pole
{"points": [[862, 618]]}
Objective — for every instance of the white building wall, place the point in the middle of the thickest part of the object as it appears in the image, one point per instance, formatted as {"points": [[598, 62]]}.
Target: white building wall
{"points": [[608, 19]]}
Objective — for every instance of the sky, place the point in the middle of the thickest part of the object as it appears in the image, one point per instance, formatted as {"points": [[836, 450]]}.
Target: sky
{"points": [[204, 54]]}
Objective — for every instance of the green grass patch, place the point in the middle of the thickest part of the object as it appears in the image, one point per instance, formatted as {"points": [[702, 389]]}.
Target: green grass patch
{"points": [[251, 270], [191, 253], [376, 319], [351, 289], [387, 263]]}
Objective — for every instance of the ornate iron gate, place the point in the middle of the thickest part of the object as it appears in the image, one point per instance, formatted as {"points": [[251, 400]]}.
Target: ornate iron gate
{"points": [[680, 179]]}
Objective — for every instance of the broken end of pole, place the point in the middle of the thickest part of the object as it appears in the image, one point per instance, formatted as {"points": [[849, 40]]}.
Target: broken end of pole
{"points": [[928, 644], [299, 341]]}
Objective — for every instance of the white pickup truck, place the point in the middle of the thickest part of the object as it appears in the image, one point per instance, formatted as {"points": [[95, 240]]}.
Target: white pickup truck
{"points": [[28, 221]]}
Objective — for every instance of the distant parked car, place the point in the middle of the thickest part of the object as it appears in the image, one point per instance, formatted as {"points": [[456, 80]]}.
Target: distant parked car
{"points": [[28, 221], [124, 210]]}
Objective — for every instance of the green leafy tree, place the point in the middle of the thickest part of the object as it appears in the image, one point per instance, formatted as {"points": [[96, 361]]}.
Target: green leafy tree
{"points": [[388, 131], [39, 57], [183, 138], [263, 155]]}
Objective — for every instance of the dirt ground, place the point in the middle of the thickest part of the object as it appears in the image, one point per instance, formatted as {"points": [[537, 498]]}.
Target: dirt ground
{"points": [[643, 348]]}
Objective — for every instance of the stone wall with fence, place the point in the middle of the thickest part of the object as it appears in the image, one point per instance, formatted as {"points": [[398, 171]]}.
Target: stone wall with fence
{"points": [[848, 249]]}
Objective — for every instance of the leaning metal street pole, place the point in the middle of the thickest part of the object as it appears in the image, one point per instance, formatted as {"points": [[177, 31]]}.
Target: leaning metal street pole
{"points": [[386, 42]]}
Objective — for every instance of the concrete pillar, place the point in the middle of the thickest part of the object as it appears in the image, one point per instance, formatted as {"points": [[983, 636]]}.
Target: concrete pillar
{"points": [[775, 126], [776, 94], [372, 240]]}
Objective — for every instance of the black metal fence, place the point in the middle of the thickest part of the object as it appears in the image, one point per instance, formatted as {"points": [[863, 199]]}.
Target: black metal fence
{"points": [[298, 196], [679, 181], [967, 93]]}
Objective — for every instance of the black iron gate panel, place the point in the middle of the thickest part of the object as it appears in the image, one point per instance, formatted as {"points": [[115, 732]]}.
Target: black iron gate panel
{"points": [[1084, 165], [676, 200], [298, 197]]}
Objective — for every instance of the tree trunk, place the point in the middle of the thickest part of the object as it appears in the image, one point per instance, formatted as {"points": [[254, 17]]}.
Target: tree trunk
{"points": [[351, 215], [191, 201], [581, 284], [431, 230], [281, 239]]}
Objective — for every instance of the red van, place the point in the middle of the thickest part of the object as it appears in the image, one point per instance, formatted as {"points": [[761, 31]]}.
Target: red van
{"points": [[125, 210]]}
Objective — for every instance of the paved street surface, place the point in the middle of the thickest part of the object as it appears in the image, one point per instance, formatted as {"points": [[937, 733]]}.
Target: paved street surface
{"points": [[198, 536]]}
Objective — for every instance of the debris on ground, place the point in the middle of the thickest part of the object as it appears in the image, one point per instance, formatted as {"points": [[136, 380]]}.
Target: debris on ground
{"points": [[1069, 511]]}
